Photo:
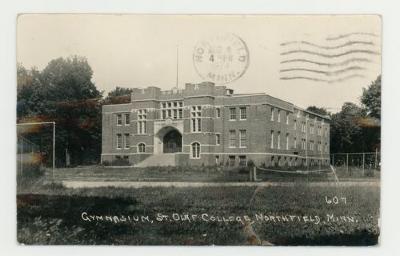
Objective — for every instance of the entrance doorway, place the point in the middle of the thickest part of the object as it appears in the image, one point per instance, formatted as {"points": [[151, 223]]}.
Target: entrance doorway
{"points": [[172, 142]]}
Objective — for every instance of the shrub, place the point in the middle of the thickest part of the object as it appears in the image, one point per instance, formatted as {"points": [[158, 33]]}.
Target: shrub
{"points": [[106, 163], [120, 162]]}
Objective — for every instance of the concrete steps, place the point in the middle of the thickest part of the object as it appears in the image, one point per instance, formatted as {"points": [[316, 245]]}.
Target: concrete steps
{"points": [[158, 160]]}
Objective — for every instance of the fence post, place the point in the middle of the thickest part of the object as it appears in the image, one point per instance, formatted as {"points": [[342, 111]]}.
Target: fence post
{"points": [[347, 163], [363, 164], [255, 173], [333, 159], [376, 158]]}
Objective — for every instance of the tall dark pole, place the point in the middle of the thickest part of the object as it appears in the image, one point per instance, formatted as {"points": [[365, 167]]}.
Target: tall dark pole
{"points": [[177, 66]]}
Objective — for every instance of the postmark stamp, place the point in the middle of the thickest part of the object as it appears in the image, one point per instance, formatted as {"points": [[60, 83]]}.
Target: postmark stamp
{"points": [[221, 59]]}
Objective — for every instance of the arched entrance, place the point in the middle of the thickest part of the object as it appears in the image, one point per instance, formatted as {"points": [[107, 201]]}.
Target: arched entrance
{"points": [[167, 140], [172, 142]]}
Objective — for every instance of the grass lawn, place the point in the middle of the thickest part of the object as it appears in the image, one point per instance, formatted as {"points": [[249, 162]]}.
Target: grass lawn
{"points": [[200, 174], [225, 216]]}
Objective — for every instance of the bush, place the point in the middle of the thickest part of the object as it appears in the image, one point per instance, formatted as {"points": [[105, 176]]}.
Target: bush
{"points": [[31, 170], [106, 163], [121, 162]]}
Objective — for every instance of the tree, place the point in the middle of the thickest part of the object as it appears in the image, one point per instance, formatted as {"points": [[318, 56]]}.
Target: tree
{"points": [[119, 95], [371, 99], [63, 92], [29, 98], [357, 129], [346, 133], [317, 110]]}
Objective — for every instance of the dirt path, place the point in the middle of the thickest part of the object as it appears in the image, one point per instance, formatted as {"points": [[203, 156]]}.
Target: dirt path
{"points": [[141, 184]]}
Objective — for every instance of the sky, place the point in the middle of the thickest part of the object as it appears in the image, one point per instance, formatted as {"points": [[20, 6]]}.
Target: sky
{"points": [[306, 60]]}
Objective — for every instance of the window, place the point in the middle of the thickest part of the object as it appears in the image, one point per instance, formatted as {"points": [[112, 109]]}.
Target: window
{"points": [[217, 160], [127, 119], [287, 141], [279, 140], [303, 144], [195, 115], [311, 145], [141, 125], [272, 114], [319, 146], [142, 148], [272, 160], [119, 119], [232, 138], [127, 140], [295, 124], [295, 143], [171, 109], [217, 112], [195, 150], [232, 160], [232, 112], [242, 139], [242, 161], [287, 117], [279, 115], [217, 139], [303, 126], [119, 140], [243, 113], [272, 139]]}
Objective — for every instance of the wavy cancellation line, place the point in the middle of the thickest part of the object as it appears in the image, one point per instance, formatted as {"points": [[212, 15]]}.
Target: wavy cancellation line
{"points": [[327, 73], [349, 43], [327, 64], [322, 80], [351, 34], [330, 55]]}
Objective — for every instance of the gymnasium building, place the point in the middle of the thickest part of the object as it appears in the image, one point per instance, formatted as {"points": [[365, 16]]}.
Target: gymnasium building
{"points": [[205, 124]]}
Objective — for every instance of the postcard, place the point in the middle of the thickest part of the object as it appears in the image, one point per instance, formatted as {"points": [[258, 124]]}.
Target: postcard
{"points": [[198, 129]]}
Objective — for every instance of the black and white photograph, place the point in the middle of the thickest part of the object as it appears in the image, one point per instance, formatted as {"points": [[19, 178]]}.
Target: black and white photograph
{"points": [[244, 130]]}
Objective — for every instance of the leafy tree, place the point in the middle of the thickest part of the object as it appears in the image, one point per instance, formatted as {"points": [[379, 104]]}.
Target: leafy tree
{"points": [[29, 98], [119, 95], [317, 110], [345, 130], [371, 98], [357, 129], [63, 92]]}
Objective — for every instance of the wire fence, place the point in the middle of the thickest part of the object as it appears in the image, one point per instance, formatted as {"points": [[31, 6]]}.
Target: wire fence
{"points": [[341, 166], [35, 152], [357, 164]]}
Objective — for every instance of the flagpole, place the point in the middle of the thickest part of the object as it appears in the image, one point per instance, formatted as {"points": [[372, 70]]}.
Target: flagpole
{"points": [[177, 66]]}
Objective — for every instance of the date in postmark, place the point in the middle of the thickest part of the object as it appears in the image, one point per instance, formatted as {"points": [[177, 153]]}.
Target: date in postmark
{"points": [[221, 59]]}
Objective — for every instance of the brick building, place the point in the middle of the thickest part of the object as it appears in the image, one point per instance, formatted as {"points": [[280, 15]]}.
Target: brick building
{"points": [[204, 124]]}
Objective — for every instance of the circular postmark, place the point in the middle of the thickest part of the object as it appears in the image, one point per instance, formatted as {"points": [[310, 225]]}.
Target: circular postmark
{"points": [[221, 59]]}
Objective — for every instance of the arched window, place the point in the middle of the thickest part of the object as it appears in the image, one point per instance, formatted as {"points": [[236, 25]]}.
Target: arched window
{"points": [[142, 148], [195, 150]]}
